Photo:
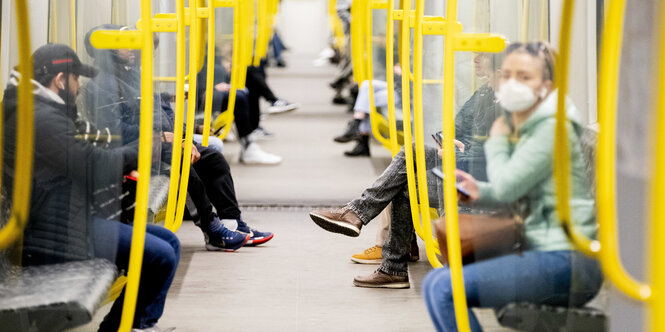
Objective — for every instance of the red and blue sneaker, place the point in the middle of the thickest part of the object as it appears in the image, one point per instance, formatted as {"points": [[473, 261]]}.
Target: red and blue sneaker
{"points": [[220, 238], [255, 237]]}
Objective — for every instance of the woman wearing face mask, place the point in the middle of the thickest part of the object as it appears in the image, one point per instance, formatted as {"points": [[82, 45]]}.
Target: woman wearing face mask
{"points": [[519, 157]]}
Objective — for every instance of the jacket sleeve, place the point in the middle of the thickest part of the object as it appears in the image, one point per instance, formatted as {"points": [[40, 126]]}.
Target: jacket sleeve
{"points": [[513, 175], [56, 144]]}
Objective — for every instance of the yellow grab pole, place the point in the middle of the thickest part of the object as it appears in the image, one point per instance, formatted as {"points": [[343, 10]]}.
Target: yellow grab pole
{"points": [[375, 117], [421, 174], [25, 134], [525, 20], [561, 150], [656, 321], [176, 154], [73, 23], [194, 46], [390, 77], [608, 83], [210, 73], [450, 193], [404, 56]]}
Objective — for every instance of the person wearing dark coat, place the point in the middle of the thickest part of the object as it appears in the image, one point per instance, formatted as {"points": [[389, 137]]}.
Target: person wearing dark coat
{"points": [[64, 224]]}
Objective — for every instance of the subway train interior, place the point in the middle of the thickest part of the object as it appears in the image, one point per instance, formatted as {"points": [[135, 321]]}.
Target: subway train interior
{"points": [[332, 165]]}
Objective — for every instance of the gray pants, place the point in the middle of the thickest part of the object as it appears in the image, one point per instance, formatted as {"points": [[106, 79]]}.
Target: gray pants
{"points": [[391, 186]]}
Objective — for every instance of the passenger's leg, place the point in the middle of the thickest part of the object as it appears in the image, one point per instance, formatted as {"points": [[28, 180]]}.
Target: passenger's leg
{"points": [[559, 278], [397, 249], [160, 259]]}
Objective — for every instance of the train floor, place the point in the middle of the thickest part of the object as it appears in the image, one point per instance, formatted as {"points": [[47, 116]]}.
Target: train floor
{"points": [[302, 279]]}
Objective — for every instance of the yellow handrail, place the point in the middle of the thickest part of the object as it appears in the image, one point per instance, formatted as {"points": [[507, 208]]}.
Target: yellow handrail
{"points": [[358, 35], [525, 20], [210, 71], [656, 321], [390, 77], [191, 111], [450, 193], [404, 55], [421, 175], [606, 155], [141, 39], [25, 134], [561, 149], [369, 65], [176, 153], [72, 5]]}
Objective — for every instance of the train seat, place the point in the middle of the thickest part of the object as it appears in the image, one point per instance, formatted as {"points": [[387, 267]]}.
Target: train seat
{"points": [[52, 297]]}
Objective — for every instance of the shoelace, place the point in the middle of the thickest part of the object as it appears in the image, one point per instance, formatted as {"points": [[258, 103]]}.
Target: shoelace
{"points": [[371, 250]]}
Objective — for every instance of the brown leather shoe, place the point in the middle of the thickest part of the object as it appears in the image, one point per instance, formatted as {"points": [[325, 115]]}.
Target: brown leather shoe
{"points": [[380, 279], [343, 221], [415, 252]]}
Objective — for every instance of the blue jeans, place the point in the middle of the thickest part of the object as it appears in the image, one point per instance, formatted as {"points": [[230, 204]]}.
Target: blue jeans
{"points": [[559, 278], [160, 260]]}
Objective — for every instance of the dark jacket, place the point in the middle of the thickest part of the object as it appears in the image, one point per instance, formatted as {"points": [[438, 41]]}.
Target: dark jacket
{"points": [[67, 171], [472, 127]]}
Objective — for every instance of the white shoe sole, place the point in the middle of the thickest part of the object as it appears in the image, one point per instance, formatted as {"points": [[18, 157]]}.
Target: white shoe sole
{"points": [[366, 261], [392, 285]]}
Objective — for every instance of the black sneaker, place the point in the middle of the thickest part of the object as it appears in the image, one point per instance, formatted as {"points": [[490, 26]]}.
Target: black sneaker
{"points": [[220, 238]]}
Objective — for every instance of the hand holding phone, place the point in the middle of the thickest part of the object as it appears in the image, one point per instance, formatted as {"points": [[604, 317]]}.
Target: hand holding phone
{"points": [[437, 171]]}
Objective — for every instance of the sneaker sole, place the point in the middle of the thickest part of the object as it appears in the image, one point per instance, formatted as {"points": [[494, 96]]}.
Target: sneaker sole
{"points": [[257, 163], [256, 242], [334, 226], [392, 285], [282, 109], [210, 247], [365, 261]]}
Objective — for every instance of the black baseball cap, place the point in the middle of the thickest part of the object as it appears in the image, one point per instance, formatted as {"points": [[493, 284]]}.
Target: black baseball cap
{"points": [[51, 59]]}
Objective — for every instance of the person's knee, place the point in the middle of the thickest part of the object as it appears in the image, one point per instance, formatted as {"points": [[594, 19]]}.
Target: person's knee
{"points": [[437, 287]]}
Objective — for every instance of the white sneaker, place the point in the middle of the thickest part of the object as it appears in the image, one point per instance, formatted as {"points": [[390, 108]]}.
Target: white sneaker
{"points": [[254, 155], [282, 106], [260, 134]]}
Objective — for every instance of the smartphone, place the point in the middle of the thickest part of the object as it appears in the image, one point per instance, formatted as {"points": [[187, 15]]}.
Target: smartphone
{"points": [[438, 138], [437, 171]]}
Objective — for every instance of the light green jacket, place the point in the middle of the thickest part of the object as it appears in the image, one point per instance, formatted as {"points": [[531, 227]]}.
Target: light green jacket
{"points": [[523, 171]]}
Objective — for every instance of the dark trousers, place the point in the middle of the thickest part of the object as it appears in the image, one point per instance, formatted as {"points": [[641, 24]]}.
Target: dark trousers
{"points": [[211, 184], [257, 87], [160, 259], [246, 121]]}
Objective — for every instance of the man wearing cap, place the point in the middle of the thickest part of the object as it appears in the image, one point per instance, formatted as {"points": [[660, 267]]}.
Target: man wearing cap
{"points": [[65, 223]]}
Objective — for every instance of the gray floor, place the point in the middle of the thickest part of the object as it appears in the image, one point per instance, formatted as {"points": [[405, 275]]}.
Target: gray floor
{"points": [[301, 280]]}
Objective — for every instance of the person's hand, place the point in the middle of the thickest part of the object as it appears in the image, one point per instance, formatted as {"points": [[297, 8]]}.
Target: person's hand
{"points": [[397, 69], [469, 184], [500, 127], [439, 151], [223, 87], [196, 155], [227, 66], [459, 145], [167, 137]]}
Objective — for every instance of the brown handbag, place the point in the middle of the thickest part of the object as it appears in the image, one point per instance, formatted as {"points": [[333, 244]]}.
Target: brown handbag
{"points": [[483, 236]]}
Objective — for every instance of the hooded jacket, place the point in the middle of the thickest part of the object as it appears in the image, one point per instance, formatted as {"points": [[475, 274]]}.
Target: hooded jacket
{"points": [[522, 172], [67, 171]]}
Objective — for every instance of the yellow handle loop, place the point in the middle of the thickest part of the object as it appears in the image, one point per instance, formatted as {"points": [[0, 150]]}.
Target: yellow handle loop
{"points": [[25, 135], [561, 149], [606, 155]]}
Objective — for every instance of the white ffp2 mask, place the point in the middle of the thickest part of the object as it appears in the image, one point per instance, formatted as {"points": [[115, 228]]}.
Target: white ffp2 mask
{"points": [[515, 96]]}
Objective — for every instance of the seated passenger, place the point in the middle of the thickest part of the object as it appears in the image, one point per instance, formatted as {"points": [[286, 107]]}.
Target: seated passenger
{"points": [[64, 225], [519, 168], [246, 113], [359, 129], [210, 180], [391, 186], [472, 126]]}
